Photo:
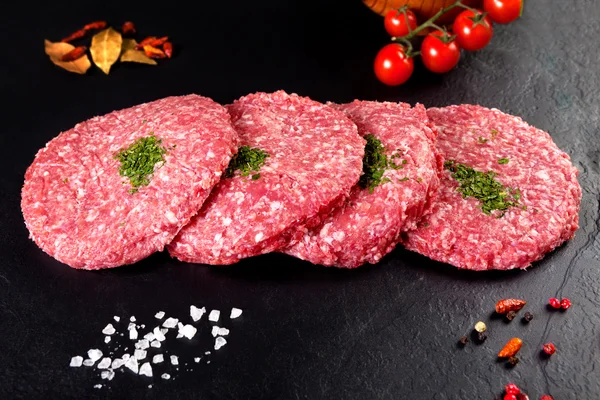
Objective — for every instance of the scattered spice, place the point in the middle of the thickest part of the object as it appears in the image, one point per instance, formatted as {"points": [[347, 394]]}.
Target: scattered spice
{"points": [[527, 317], [106, 48], [154, 52], [168, 49], [481, 140], [554, 303], [146, 41], [565, 304], [128, 28], [511, 388], [512, 361], [74, 54], [480, 327], [463, 340], [95, 25], [505, 305], [247, 160], [503, 161], [494, 133], [549, 348], [139, 160], [159, 42], [483, 187], [481, 336], [511, 348], [73, 36], [511, 315]]}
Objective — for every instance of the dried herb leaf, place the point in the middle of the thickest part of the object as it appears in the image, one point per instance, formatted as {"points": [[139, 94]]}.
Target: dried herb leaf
{"points": [[56, 50], [106, 48], [130, 54]]}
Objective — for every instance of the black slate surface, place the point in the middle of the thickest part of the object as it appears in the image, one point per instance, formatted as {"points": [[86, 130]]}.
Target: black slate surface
{"points": [[386, 331]]}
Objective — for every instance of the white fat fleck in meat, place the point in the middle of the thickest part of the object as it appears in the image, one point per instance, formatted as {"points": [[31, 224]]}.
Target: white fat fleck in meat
{"points": [[276, 205], [210, 154], [227, 221], [171, 217], [258, 237]]}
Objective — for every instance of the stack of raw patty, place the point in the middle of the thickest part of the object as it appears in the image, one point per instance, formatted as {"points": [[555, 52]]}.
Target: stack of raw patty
{"points": [[337, 185]]}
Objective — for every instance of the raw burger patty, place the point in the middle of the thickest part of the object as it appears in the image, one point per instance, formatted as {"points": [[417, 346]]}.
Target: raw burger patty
{"points": [[458, 232], [315, 159], [368, 225], [80, 210]]}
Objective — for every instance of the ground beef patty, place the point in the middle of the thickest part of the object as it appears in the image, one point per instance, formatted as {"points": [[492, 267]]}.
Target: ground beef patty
{"points": [[80, 210], [368, 225], [538, 178], [315, 157]]}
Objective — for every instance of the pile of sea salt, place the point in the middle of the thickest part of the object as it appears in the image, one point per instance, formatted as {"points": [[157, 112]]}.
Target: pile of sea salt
{"points": [[137, 358]]}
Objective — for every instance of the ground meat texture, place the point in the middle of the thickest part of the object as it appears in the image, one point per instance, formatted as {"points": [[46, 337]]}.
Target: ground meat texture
{"points": [[457, 232], [369, 224], [315, 157], [79, 209]]}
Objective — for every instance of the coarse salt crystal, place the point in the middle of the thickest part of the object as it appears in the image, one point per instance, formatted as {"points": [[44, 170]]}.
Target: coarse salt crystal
{"points": [[130, 326], [106, 339], [132, 364], [98, 386], [159, 315], [126, 356], [132, 319], [197, 313], [235, 312], [165, 376], [149, 336], [188, 331], [117, 319], [197, 359], [174, 360], [207, 352], [155, 343], [107, 375], [158, 335], [157, 359], [76, 361], [223, 332], [214, 315], [140, 354], [104, 364], [164, 331], [133, 334], [220, 342], [88, 363], [117, 363], [94, 354], [146, 369], [215, 331], [142, 344], [170, 322]]}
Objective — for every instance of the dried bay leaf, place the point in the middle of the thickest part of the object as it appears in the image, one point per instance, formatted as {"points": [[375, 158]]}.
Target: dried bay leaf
{"points": [[130, 54], [56, 50], [106, 48]]}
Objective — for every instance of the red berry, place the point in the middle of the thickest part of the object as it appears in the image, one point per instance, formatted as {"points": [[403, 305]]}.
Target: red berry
{"points": [[510, 397], [511, 388], [546, 397], [554, 303], [565, 304], [549, 349]]}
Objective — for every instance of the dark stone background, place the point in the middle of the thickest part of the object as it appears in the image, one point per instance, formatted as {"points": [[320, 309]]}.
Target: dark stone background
{"points": [[386, 331]]}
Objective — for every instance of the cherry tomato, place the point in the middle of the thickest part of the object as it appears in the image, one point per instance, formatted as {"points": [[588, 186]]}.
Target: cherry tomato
{"points": [[395, 22], [503, 11], [392, 66], [439, 57], [473, 30]]}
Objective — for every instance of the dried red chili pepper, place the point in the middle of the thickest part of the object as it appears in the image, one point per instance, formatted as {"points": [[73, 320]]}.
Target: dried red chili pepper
{"points": [[74, 54], [75, 35], [128, 28], [168, 49], [95, 25], [159, 42], [153, 52], [511, 348], [506, 305], [145, 42]]}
